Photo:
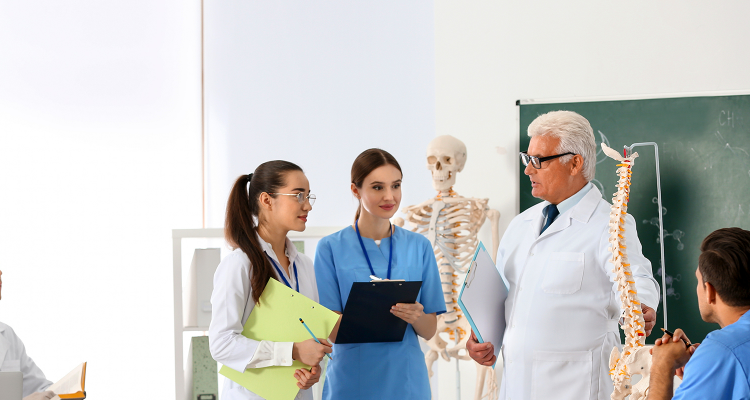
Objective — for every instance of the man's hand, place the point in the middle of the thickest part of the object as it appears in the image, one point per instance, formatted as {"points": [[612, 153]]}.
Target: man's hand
{"points": [[672, 351], [649, 317], [681, 371], [305, 378], [40, 395], [482, 353], [311, 352], [670, 354]]}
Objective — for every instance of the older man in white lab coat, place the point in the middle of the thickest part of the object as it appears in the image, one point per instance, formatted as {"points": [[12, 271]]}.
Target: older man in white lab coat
{"points": [[563, 309], [13, 357]]}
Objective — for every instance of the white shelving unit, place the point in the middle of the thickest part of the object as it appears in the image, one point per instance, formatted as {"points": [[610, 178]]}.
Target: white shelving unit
{"points": [[310, 235]]}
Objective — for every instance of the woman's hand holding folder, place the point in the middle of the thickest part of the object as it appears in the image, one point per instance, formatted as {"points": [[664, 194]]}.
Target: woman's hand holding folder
{"points": [[305, 378], [410, 313], [310, 352], [413, 313]]}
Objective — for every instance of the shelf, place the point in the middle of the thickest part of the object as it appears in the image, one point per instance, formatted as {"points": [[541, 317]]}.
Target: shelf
{"points": [[195, 329], [316, 232]]}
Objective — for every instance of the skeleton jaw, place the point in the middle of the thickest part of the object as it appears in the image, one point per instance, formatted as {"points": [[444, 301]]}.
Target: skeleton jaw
{"points": [[443, 180]]}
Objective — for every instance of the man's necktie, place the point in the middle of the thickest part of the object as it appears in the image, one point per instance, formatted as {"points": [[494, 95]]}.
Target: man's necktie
{"points": [[552, 213]]}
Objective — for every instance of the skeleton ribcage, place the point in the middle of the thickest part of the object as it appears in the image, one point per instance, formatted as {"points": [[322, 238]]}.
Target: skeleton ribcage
{"points": [[453, 234]]}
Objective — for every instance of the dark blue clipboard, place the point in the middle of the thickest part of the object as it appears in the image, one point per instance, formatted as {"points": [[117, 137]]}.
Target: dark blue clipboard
{"points": [[367, 315]]}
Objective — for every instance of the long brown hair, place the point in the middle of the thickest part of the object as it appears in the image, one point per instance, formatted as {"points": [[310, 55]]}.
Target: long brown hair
{"points": [[242, 210], [366, 162]]}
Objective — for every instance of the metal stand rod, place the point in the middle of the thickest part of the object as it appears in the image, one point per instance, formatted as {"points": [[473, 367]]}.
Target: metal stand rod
{"points": [[458, 373], [661, 223]]}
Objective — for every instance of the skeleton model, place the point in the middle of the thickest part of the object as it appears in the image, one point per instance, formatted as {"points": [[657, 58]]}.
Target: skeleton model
{"points": [[451, 223], [635, 358]]}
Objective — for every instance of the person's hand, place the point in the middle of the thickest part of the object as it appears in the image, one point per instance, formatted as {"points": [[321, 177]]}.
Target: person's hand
{"points": [[482, 353], [678, 336], [40, 395], [649, 317], [681, 371], [672, 351], [305, 378], [408, 312], [310, 352]]}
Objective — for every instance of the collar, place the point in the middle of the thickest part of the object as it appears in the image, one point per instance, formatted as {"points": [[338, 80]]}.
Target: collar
{"points": [[745, 318], [581, 210], [571, 201], [290, 250], [587, 205]]}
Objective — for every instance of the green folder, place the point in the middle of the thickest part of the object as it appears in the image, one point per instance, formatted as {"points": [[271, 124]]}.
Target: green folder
{"points": [[276, 318]]}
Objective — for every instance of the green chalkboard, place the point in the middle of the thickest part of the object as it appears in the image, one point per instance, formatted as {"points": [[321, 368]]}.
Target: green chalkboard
{"points": [[704, 146]]}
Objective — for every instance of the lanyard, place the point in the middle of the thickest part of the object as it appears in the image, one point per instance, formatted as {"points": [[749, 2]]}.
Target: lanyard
{"points": [[361, 243], [286, 282]]}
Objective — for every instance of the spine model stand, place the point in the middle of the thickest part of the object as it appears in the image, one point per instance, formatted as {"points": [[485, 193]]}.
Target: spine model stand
{"points": [[634, 358]]}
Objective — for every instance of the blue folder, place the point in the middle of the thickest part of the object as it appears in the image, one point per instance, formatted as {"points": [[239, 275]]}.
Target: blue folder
{"points": [[482, 299]]}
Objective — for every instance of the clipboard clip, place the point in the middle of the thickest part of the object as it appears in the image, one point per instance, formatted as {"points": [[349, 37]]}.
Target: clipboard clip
{"points": [[472, 273]]}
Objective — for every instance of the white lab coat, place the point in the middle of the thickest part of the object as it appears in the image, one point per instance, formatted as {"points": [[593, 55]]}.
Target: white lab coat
{"points": [[231, 304], [13, 357], [563, 307]]}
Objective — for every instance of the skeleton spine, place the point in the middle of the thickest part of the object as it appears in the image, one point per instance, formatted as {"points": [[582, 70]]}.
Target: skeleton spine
{"points": [[633, 325]]}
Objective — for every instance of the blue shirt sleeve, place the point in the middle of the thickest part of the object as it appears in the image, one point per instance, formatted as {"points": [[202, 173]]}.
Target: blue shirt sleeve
{"points": [[713, 372], [432, 289], [325, 275]]}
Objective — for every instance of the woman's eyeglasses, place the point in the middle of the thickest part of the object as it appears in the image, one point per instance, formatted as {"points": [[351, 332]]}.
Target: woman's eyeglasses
{"points": [[300, 197]]}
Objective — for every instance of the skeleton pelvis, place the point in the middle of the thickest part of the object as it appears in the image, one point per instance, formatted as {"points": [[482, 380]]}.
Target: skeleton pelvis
{"points": [[638, 362]]}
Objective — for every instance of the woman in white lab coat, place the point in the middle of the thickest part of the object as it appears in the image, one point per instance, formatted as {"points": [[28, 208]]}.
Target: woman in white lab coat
{"points": [[276, 197]]}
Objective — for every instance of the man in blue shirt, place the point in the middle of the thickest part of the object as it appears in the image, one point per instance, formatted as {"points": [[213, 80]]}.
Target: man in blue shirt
{"points": [[720, 367]]}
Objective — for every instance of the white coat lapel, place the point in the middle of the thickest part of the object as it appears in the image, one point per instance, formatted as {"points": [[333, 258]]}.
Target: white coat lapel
{"points": [[586, 207], [562, 222], [580, 212], [534, 216]]}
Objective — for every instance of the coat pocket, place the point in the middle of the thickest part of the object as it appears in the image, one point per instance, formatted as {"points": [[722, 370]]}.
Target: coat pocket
{"points": [[563, 273], [561, 375]]}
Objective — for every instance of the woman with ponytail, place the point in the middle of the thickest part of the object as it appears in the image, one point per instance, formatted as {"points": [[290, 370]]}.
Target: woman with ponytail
{"points": [[373, 246], [262, 208]]}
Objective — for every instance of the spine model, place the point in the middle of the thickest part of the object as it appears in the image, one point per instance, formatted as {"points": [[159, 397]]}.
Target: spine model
{"points": [[633, 324]]}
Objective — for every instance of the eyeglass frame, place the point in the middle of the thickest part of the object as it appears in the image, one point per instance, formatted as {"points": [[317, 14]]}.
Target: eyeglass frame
{"points": [[523, 156], [300, 197]]}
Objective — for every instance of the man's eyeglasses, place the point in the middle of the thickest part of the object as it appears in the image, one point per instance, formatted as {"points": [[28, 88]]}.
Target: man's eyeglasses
{"points": [[300, 197], [536, 162]]}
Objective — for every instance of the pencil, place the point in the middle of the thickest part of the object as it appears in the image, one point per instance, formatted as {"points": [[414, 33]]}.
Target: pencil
{"points": [[313, 335], [687, 342]]}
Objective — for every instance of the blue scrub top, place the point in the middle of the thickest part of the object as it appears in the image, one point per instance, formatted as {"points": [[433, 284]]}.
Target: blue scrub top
{"points": [[720, 366], [377, 370]]}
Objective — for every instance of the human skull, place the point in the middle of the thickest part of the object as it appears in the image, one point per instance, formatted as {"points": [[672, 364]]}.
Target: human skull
{"points": [[446, 157]]}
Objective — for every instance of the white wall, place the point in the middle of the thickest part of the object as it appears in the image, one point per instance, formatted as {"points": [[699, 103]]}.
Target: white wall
{"points": [[489, 54], [316, 84], [99, 160]]}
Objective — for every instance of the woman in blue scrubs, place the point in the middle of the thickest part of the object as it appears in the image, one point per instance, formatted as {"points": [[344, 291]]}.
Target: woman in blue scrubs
{"points": [[373, 246]]}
